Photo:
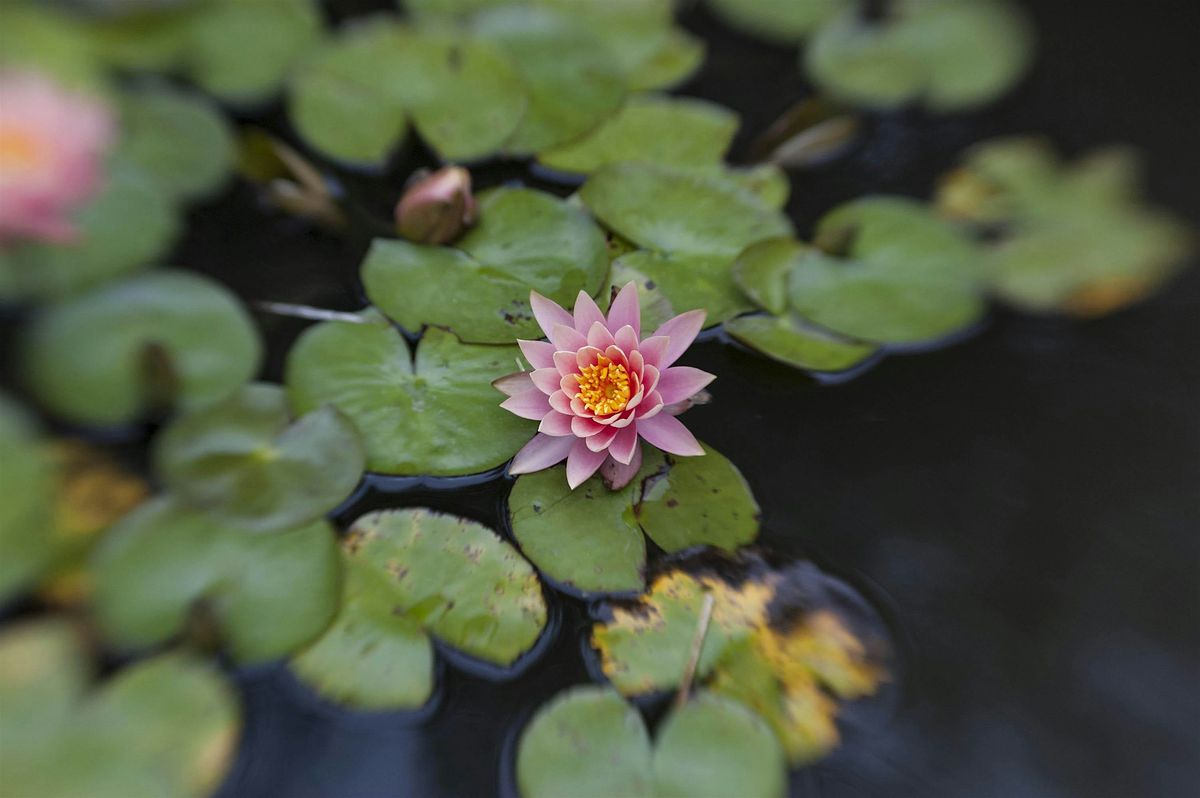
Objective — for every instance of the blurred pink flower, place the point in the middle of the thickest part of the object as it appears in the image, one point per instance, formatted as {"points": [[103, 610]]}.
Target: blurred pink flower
{"points": [[597, 386], [52, 145]]}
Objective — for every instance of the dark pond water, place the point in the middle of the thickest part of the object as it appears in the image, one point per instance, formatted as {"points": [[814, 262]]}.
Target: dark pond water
{"points": [[1022, 508]]}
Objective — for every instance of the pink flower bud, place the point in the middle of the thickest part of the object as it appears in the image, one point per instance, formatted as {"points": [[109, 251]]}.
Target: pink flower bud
{"points": [[437, 208]]}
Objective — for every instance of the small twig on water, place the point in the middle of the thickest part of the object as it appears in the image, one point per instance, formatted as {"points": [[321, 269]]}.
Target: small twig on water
{"points": [[308, 312], [689, 673]]}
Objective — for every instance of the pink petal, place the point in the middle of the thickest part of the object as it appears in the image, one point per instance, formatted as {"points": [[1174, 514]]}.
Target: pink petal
{"points": [[567, 338], [561, 403], [651, 406], [580, 409], [546, 380], [582, 463], [600, 441], [637, 364], [587, 357], [569, 384], [599, 336], [566, 363], [623, 421], [626, 338], [540, 354], [624, 445], [531, 404], [587, 312], [681, 382], [549, 314], [513, 384], [650, 378], [653, 349], [681, 331], [668, 433], [616, 355], [585, 427], [556, 424], [616, 475], [541, 452], [625, 310]]}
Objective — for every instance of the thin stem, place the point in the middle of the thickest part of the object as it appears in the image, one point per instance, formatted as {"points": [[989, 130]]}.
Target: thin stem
{"points": [[689, 673], [308, 312]]}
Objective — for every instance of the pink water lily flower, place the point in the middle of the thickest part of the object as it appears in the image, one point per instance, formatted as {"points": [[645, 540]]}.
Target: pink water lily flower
{"points": [[52, 146], [597, 387]]}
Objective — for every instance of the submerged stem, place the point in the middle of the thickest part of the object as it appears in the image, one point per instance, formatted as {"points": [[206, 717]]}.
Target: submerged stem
{"points": [[689, 672], [308, 312]]}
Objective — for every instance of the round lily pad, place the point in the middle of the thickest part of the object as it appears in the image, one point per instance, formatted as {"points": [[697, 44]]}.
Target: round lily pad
{"points": [[571, 80], [794, 342], [438, 415], [686, 281], [670, 131], [587, 539], [269, 593], [779, 20], [907, 277], [412, 574], [525, 240], [951, 54], [27, 486], [245, 460], [109, 356]]}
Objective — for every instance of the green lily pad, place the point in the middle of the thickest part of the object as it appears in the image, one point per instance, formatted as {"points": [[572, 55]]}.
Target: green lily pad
{"points": [[670, 131], [41, 38], [950, 54], [126, 226], [25, 507], [586, 539], [571, 80], [438, 415], [790, 340], [412, 574], [779, 20], [907, 277], [100, 358], [1075, 238], [687, 281], [462, 94], [180, 140], [269, 593], [589, 539], [763, 270], [480, 288], [246, 461], [588, 741], [123, 738]]}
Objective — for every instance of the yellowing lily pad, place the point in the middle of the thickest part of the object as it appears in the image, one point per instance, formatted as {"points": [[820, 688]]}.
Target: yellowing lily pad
{"points": [[479, 288], [412, 574], [109, 356], [123, 738], [246, 461], [437, 415], [269, 593]]}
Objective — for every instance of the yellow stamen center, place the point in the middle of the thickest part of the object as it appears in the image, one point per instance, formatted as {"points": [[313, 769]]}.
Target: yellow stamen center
{"points": [[604, 387], [19, 150]]}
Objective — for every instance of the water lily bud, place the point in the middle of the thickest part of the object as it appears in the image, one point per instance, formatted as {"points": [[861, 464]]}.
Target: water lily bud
{"points": [[437, 207]]}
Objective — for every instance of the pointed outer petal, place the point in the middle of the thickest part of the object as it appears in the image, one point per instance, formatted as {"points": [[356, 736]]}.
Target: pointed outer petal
{"points": [[582, 463], [586, 313], [681, 382], [682, 330], [556, 424], [540, 354], [654, 348], [624, 445], [669, 434], [549, 314], [531, 404], [599, 336], [615, 354], [579, 409], [560, 402], [626, 311], [541, 452], [616, 475], [650, 379], [586, 357], [513, 384], [637, 363], [585, 427], [566, 362], [626, 338], [546, 380], [651, 406], [567, 338], [600, 441]]}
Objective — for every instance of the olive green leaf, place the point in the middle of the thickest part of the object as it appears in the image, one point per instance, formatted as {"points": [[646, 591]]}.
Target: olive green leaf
{"points": [[411, 574], [670, 131], [40, 38], [438, 415], [479, 288], [571, 80], [763, 271], [589, 539], [792, 341], [949, 54], [108, 356], [125, 737], [1075, 238], [906, 278], [779, 20], [588, 741], [246, 461], [269, 593], [687, 280], [26, 477]]}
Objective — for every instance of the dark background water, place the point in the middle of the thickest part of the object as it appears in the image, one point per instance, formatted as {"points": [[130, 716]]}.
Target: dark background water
{"points": [[1023, 508]]}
